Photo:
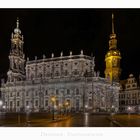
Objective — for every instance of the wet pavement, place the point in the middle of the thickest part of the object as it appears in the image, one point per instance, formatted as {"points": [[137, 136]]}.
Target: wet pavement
{"points": [[74, 120], [84, 120]]}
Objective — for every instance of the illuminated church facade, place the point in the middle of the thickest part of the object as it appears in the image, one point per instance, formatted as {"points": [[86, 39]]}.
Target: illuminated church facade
{"points": [[31, 84]]}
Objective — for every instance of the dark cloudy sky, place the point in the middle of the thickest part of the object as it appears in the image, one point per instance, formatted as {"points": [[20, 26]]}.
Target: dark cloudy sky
{"points": [[55, 30]]}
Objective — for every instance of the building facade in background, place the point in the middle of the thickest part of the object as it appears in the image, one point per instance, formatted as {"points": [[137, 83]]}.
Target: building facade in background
{"points": [[31, 84], [129, 98]]}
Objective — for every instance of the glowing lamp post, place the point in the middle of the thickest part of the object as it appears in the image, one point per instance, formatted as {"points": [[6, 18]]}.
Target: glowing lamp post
{"points": [[139, 110], [53, 100], [86, 107], [1, 103], [112, 108], [129, 109], [27, 114], [66, 105], [60, 106], [4, 108]]}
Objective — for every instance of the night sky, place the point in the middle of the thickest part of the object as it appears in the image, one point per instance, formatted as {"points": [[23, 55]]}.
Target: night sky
{"points": [[55, 30]]}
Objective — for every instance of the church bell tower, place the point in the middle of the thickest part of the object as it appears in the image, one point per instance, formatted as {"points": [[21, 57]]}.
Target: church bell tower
{"points": [[112, 58], [16, 57]]}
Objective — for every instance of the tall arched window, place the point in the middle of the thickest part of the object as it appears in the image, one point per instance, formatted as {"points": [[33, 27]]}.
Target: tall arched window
{"points": [[46, 93], [57, 91], [68, 91], [77, 91]]}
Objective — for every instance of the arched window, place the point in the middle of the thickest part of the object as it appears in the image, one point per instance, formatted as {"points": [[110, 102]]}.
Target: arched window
{"points": [[57, 91], [46, 93], [32, 76], [66, 73], [36, 103], [46, 102], [27, 94], [75, 72], [36, 93], [11, 104], [17, 94], [48, 74], [11, 94], [77, 91], [18, 103], [68, 92]]}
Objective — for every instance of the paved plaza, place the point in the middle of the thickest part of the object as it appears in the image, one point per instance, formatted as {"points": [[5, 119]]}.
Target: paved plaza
{"points": [[69, 120]]}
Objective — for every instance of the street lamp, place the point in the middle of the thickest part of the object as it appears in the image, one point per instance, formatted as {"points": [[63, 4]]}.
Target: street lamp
{"points": [[86, 107], [66, 105], [27, 114], [129, 109], [112, 111], [112, 108], [4, 107], [60, 106], [139, 110], [53, 100], [1, 103]]}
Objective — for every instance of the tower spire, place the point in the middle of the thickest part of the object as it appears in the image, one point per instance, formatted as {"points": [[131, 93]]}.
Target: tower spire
{"points": [[113, 57], [17, 22], [16, 70], [113, 23]]}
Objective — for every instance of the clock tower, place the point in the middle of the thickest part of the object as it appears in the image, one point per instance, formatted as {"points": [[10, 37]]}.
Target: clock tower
{"points": [[16, 70], [112, 58]]}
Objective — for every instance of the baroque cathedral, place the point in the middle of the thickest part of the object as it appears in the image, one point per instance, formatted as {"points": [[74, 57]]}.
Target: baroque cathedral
{"points": [[70, 81]]}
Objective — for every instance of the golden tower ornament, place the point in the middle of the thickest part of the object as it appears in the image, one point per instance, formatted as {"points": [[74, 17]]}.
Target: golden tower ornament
{"points": [[113, 57]]}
